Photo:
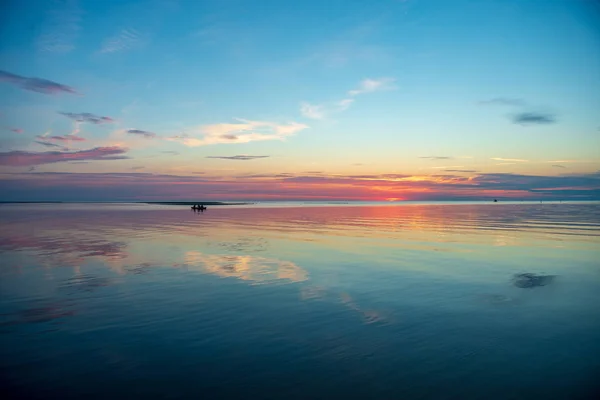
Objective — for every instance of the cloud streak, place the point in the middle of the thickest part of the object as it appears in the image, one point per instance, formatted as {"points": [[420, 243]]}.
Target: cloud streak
{"points": [[88, 117], [144, 134], [38, 85], [509, 159], [321, 111], [63, 138], [49, 144], [61, 28], [533, 118], [373, 85], [28, 158], [238, 157], [244, 131], [124, 40]]}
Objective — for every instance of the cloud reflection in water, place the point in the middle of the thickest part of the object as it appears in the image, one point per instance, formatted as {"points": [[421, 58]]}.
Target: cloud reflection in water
{"points": [[245, 267]]}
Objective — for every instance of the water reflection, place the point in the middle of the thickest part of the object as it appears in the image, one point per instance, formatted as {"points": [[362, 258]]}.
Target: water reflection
{"points": [[389, 299], [247, 268]]}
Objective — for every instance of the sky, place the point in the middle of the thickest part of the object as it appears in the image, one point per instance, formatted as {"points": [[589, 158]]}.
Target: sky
{"points": [[309, 100]]}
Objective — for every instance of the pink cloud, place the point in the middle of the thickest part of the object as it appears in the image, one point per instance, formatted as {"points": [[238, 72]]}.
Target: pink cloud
{"points": [[147, 186], [29, 158], [35, 84], [16, 130]]}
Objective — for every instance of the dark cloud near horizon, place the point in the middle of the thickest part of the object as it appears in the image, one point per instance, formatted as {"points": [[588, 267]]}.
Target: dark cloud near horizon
{"points": [[140, 186], [239, 157], [139, 132], [28, 158], [170, 152], [88, 117], [503, 101], [529, 118], [460, 170], [437, 157], [38, 85], [558, 166]]}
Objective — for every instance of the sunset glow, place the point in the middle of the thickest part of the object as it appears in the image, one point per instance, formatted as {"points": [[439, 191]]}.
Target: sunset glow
{"points": [[207, 100]]}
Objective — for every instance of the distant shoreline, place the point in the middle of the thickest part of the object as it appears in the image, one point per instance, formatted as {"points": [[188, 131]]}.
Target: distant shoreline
{"points": [[315, 202], [191, 203], [170, 203]]}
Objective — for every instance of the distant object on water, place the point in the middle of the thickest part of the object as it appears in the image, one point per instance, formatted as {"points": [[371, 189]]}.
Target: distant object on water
{"points": [[528, 280], [495, 201], [197, 207]]}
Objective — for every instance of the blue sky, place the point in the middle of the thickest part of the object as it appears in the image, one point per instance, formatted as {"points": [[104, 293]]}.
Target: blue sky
{"points": [[318, 86]]}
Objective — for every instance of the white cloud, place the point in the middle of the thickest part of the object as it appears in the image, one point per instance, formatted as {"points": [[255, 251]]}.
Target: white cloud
{"points": [[321, 111], [509, 159], [60, 28], [312, 111], [125, 40], [372, 85], [243, 132], [345, 103]]}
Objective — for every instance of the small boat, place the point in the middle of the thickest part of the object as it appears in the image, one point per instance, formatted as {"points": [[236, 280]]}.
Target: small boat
{"points": [[198, 207]]}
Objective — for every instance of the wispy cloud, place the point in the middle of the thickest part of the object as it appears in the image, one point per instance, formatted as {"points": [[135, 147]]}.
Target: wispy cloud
{"points": [[15, 130], [460, 170], [449, 166], [239, 157], [438, 157], [124, 40], [313, 111], [558, 166], [244, 131], [321, 111], [29, 158], [503, 101], [145, 134], [373, 85], [50, 144], [88, 117], [38, 85], [61, 28], [565, 161], [509, 159], [533, 118], [63, 138]]}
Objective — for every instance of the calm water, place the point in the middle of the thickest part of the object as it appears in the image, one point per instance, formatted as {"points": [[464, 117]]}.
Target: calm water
{"points": [[388, 302]]}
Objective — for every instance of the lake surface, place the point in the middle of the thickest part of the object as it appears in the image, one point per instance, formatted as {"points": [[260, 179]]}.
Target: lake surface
{"points": [[387, 302]]}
